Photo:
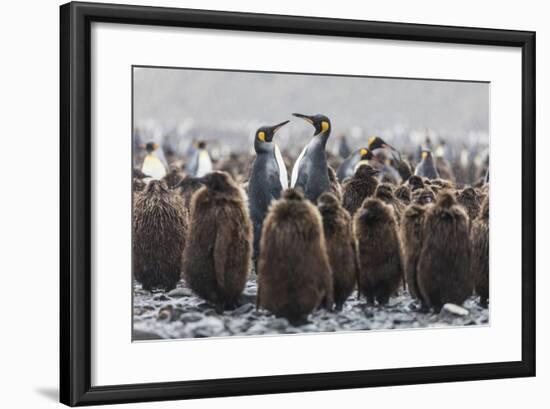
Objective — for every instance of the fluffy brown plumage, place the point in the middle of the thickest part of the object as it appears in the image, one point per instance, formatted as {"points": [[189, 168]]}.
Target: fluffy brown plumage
{"points": [[187, 187], [335, 187], [384, 192], [411, 230], [340, 244], [216, 259], [380, 268], [294, 275], [138, 185], [403, 193], [480, 252], [173, 177], [443, 273], [159, 228], [359, 187], [468, 198], [415, 182], [423, 196]]}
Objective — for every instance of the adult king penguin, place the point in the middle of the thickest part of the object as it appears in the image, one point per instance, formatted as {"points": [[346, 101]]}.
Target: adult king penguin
{"points": [[200, 163], [268, 178], [352, 163], [153, 164], [310, 172], [426, 168]]}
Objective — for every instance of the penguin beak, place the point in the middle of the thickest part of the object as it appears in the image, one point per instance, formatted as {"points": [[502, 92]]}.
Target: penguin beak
{"points": [[279, 126], [304, 117]]}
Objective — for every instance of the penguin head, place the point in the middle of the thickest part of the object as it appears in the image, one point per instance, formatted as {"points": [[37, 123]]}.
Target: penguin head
{"points": [[403, 192], [376, 142], [156, 187], [366, 170], [373, 210], [415, 182], [424, 196], [320, 122], [365, 154], [293, 194], [384, 191], [217, 181], [151, 147], [266, 133], [201, 145], [426, 154], [446, 199], [327, 201], [468, 193]]}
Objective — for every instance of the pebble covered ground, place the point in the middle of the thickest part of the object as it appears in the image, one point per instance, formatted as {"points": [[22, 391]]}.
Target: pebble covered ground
{"points": [[181, 314]]}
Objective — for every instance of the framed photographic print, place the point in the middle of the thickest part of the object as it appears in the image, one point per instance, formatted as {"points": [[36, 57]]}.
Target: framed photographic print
{"points": [[259, 203]]}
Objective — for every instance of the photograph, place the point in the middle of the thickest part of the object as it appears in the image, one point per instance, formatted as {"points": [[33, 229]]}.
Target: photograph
{"points": [[273, 203]]}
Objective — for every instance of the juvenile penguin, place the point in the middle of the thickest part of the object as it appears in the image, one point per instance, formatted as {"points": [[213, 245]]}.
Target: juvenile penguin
{"points": [[426, 168], [403, 194], [268, 178], [384, 192], [216, 260], [411, 230], [340, 243], [153, 164], [415, 182], [173, 177], [361, 186], [380, 268], [423, 196], [199, 163], [138, 185], [480, 253], [468, 199], [160, 224], [352, 162], [335, 187], [187, 187], [294, 275], [310, 170], [443, 269]]}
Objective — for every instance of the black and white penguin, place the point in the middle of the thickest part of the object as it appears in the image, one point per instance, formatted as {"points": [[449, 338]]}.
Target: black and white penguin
{"points": [[352, 162], [342, 148], [268, 178], [310, 172], [426, 168], [154, 164], [199, 163], [402, 166]]}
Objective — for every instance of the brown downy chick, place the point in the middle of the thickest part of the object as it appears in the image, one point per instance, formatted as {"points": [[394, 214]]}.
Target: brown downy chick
{"points": [[480, 253], [359, 187]]}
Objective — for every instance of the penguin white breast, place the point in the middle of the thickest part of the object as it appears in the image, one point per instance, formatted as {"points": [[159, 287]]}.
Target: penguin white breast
{"points": [[283, 175], [296, 168], [204, 164], [153, 167]]}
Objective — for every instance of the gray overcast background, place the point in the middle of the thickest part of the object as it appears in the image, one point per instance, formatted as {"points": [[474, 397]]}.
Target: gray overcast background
{"points": [[230, 100]]}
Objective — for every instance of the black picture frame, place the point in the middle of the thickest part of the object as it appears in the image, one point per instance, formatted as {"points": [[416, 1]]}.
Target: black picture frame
{"points": [[76, 199]]}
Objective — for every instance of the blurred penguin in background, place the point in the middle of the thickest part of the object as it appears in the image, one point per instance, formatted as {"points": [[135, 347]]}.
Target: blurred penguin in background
{"points": [[199, 163], [348, 167], [426, 168], [154, 165], [342, 148]]}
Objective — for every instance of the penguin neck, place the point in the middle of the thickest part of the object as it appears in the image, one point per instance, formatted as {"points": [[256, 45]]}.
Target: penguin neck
{"points": [[263, 147], [320, 139]]}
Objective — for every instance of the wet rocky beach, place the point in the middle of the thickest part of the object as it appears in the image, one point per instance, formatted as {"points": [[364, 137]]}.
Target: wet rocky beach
{"points": [[181, 314]]}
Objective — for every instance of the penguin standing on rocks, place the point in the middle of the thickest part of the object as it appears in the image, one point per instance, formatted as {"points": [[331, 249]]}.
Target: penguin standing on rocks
{"points": [[380, 269], [340, 243], [361, 186], [200, 163], [426, 168], [160, 224], [153, 164], [310, 170], [443, 273], [411, 231], [268, 178], [294, 274], [216, 260], [480, 253], [352, 162]]}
